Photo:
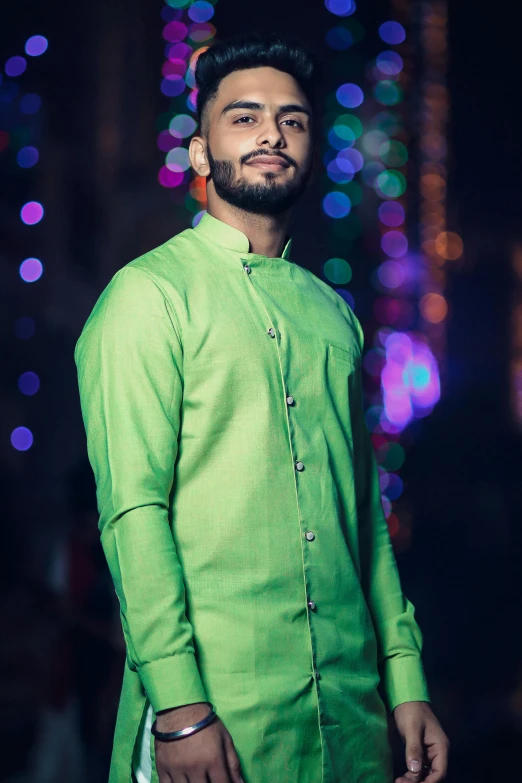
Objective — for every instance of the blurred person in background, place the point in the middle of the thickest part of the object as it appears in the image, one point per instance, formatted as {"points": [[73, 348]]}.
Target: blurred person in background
{"points": [[76, 722]]}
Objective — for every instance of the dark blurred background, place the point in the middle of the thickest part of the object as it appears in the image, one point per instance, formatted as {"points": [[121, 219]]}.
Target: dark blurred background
{"points": [[92, 106]]}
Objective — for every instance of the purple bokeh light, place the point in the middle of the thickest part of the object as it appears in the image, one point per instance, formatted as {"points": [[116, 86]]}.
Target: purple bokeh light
{"points": [[201, 11], [30, 270], [31, 213], [394, 244], [15, 66], [28, 383], [392, 33], [340, 7], [391, 213], [36, 45], [410, 379], [21, 438], [349, 95]]}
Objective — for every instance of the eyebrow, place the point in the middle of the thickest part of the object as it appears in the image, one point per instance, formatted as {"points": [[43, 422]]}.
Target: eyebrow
{"points": [[297, 107]]}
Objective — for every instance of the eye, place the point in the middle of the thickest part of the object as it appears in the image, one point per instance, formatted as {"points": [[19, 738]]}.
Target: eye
{"points": [[239, 119]]}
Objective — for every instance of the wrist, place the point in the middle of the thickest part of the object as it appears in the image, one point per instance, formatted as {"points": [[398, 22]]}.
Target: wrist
{"points": [[178, 718]]}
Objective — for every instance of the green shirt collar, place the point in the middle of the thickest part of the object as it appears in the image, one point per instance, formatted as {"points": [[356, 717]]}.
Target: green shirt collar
{"points": [[228, 236]]}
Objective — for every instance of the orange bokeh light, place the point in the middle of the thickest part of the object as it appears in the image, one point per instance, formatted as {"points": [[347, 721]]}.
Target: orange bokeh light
{"points": [[434, 308], [449, 245]]}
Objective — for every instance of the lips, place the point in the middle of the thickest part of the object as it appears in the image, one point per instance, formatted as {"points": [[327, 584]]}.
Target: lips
{"points": [[268, 160]]}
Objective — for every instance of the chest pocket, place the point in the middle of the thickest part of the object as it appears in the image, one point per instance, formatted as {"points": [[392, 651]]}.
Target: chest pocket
{"points": [[343, 367], [336, 353]]}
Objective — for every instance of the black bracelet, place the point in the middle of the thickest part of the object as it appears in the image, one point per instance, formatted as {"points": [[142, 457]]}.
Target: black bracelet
{"points": [[167, 736]]}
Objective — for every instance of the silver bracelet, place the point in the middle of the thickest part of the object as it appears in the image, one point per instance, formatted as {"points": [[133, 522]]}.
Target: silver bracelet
{"points": [[166, 736]]}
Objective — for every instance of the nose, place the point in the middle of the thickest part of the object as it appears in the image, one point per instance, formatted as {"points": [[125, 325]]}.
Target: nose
{"points": [[270, 134]]}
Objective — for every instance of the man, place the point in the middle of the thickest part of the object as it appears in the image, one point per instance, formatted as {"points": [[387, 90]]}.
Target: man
{"points": [[239, 500]]}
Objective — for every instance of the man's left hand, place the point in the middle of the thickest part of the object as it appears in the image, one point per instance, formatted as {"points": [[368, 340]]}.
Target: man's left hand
{"points": [[426, 743]]}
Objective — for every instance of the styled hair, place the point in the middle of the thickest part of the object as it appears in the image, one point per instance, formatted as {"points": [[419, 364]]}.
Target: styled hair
{"points": [[255, 50]]}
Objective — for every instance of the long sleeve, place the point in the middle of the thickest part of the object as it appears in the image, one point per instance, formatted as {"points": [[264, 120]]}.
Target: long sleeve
{"points": [[398, 635], [129, 360]]}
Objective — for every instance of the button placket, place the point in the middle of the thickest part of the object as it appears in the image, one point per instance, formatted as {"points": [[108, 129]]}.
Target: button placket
{"points": [[299, 466]]}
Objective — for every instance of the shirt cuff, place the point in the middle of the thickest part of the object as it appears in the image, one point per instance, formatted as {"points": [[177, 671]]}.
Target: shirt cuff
{"points": [[172, 682], [404, 680]]}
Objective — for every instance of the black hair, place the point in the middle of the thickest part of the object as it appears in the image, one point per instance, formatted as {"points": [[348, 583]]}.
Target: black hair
{"points": [[255, 50]]}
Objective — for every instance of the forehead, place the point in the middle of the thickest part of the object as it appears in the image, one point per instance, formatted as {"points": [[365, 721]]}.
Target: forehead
{"points": [[262, 85]]}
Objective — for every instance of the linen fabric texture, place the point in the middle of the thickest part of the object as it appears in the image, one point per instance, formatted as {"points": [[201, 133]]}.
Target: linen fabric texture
{"points": [[222, 401]]}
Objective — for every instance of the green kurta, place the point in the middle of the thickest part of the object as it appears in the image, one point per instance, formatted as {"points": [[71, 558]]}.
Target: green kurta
{"points": [[240, 509]]}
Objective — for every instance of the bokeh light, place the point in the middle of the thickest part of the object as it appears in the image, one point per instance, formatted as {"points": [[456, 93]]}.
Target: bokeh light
{"points": [[394, 244], [336, 204], [391, 213], [178, 159], [340, 7], [389, 63], [31, 269], [349, 95], [36, 45], [392, 32], [182, 125], [338, 271], [28, 383], [449, 245], [201, 11], [175, 31], [433, 308], [15, 66], [197, 217], [387, 92], [339, 38], [390, 184], [27, 157], [393, 153], [21, 438], [31, 213]]}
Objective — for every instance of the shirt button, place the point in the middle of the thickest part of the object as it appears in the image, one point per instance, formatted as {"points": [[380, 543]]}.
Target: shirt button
{"points": [[312, 606], [247, 269], [271, 332], [299, 466], [290, 400], [310, 535]]}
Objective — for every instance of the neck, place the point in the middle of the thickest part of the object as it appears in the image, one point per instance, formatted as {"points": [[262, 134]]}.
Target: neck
{"points": [[266, 233]]}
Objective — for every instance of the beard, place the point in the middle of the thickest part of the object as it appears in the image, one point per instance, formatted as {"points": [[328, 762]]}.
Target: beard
{"points": [[262, 198]]}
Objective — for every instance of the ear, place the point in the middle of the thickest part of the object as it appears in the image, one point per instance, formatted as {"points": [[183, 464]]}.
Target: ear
{"points": [[198, 156]]}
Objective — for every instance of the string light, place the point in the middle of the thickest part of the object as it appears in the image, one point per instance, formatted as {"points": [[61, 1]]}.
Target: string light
{"points": [[15, 138], [188, 33], [439, 246]]}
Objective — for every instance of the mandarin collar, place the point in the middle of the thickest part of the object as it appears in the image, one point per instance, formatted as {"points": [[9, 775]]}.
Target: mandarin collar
{"points": [[232, 238]]}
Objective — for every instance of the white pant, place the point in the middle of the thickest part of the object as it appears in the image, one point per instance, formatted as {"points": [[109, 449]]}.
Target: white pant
{"points": [[142, 762]]}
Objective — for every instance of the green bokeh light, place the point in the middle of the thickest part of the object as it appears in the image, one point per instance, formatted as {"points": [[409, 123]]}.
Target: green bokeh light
{"points": [[387, 92], [337, 270], [348, 121], [390, 456], [390, 183], [393, 153]]}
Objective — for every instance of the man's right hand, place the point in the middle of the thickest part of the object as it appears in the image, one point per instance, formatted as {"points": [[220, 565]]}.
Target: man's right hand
{"points": [[207, 755]]}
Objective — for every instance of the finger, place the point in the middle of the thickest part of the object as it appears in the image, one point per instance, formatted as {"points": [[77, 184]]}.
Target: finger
{"points": [[438, 763], [409, 777], [436, 775], [414, 752], [232, 759]]}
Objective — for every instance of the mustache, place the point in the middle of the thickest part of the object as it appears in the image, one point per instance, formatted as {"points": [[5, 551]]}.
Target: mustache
{"points": [[263, 153]]}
